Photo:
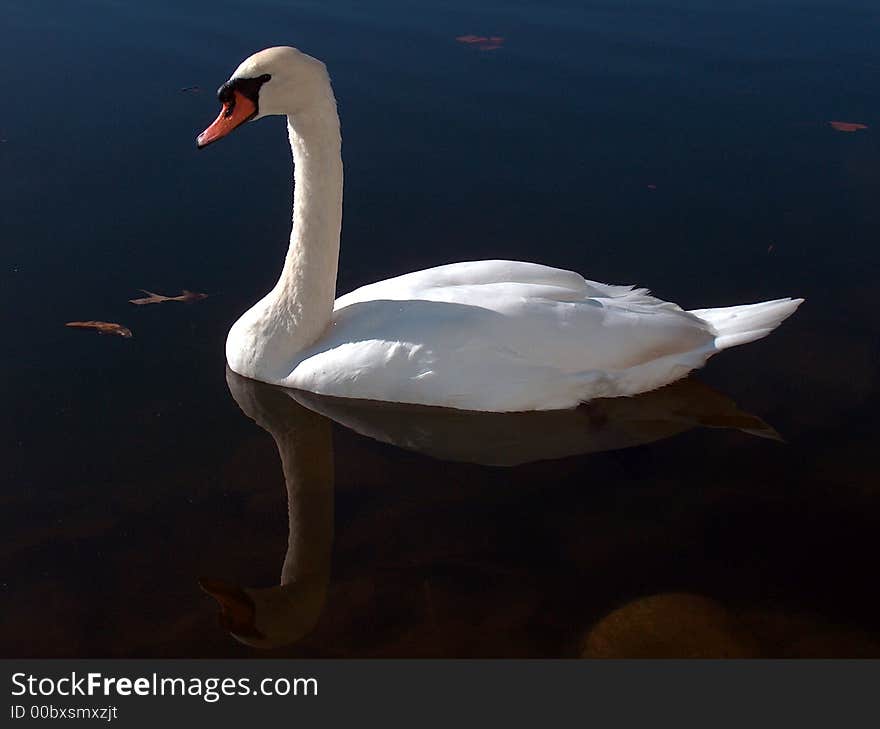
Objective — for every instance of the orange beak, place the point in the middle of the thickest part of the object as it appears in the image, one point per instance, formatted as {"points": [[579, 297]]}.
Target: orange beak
{"points": [[233, 114]]}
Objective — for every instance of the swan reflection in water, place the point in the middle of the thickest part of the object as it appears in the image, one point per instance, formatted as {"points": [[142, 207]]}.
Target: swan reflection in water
{"points": [[300, 424]]}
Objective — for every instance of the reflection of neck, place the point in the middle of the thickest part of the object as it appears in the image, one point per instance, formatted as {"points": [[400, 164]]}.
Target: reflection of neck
{"points": [[284, 613], [307, 460], [301, 304], [287, 612]]}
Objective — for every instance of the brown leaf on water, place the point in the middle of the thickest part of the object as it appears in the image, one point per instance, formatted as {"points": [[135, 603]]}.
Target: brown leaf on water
{"points": [[847, 126], [482, 42], [102, 327], [154, 298], [150, 298]]}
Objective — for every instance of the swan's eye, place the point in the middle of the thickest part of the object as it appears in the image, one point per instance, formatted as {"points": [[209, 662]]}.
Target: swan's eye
{"points": [[225, 93]]}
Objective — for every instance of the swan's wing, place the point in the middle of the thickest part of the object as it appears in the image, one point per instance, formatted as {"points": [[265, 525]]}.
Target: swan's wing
{"points": [[497, 335], [456, 280], [546, 315]]}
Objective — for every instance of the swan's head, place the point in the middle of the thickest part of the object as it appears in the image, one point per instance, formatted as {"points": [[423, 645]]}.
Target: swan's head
{"points": [[280, 80]]}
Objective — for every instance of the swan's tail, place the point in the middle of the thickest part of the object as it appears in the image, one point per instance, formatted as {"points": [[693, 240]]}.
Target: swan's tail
{"points": [[736, 325]]}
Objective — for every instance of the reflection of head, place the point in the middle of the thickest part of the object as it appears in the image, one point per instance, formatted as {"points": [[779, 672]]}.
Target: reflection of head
{"points": [[280, 615], [237, 608], [269, 617]]}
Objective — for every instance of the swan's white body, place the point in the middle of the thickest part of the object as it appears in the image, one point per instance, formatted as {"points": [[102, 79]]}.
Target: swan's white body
{"points": [[483, 335]]}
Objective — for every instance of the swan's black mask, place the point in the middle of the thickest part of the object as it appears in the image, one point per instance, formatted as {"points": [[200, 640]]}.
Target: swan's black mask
{"points": [[247, 87], [240, 98]]}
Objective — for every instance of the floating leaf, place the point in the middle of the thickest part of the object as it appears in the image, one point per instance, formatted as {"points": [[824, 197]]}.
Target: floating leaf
{"points": [[847, 126], [102, 327], [483, 42], [154, 298]]}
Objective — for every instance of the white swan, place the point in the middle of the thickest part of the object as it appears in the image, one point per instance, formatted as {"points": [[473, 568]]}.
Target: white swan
{"points": [[482, 335]]}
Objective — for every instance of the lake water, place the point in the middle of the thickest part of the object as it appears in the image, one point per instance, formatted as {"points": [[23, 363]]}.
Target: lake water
{"points": [[682, 145]]}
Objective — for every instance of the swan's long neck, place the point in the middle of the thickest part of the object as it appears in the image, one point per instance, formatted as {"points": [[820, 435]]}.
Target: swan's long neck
{"points": [[307, 287], [299, 308]]}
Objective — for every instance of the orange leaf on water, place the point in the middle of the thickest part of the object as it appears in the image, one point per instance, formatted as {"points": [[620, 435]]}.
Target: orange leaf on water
{"points": [[482, 42], [847, 126], [102, 327]]}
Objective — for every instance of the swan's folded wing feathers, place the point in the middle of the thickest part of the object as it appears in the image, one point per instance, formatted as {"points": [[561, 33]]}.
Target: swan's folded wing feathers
{"points": [[485, 283], [449, 282]]}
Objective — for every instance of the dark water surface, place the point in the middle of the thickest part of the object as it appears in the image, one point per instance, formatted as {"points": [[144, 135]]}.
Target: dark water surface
{"points": [[132, 470]]}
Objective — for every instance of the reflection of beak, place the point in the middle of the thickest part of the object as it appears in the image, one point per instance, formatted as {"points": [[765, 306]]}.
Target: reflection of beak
{"points": [[237, 610], [233, 114]]}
